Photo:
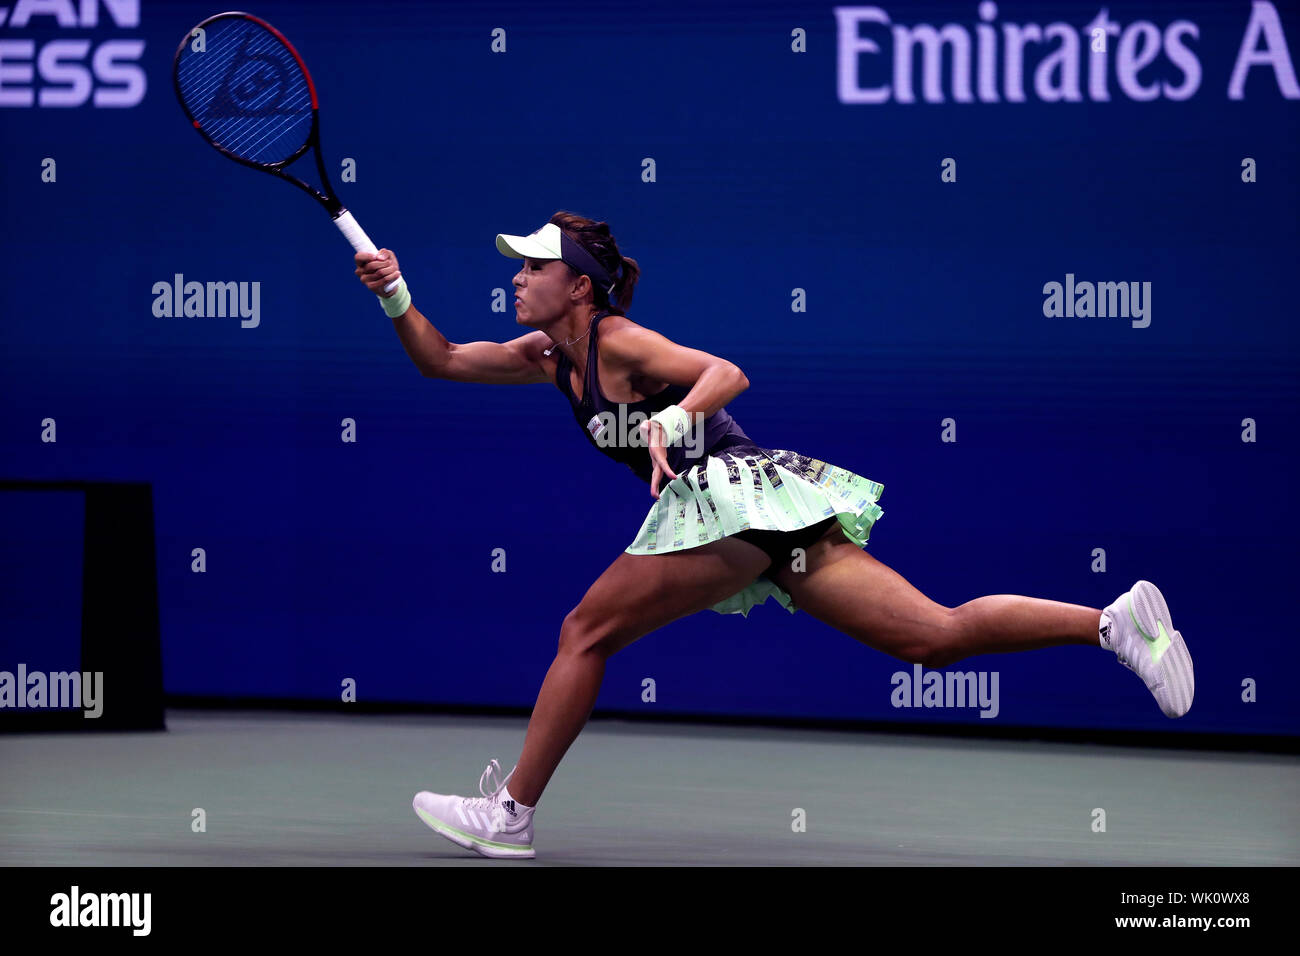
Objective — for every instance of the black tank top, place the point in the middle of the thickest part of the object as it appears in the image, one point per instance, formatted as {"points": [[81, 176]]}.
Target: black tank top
{"points": [[612, 427]]}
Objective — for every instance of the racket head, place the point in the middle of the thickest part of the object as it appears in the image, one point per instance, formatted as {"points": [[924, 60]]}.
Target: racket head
{"points": [[247, 92]]}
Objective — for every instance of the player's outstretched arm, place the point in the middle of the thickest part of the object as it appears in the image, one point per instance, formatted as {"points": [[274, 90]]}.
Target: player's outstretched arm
{"points": [[517, 362]]}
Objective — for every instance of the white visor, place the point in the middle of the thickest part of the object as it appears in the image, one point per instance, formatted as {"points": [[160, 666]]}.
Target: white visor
{"points": [[542, 244]]}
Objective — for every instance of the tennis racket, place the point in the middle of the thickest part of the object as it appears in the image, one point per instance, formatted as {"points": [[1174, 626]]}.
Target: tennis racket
{"points": [[248, 93]]}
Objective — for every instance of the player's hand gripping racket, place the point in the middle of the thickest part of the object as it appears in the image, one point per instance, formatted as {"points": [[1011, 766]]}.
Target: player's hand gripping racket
{"points": [[248, 93]]}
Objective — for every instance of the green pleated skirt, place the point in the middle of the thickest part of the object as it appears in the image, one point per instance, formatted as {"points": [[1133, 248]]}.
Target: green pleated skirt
{"points": [[748, 486]]}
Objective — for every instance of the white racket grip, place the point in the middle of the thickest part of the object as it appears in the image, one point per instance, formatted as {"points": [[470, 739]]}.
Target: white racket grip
{"points": [[354, 234]]}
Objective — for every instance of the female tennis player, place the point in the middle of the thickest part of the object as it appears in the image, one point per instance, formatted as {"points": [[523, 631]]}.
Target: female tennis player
{"points": [[733, 523]]}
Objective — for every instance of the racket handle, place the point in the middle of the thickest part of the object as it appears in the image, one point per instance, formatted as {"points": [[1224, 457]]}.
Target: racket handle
{"points": [[354, 234]]}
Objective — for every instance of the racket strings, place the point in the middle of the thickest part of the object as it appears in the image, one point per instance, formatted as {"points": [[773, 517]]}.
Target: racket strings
{"points": [[247, 92]]}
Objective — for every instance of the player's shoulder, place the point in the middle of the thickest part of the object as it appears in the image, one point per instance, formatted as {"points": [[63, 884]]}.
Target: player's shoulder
{"points": [[620, 336]]}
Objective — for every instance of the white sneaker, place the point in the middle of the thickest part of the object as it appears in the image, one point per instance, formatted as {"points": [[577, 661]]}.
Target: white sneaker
{"points": [[488, 825], [1138, 628]]}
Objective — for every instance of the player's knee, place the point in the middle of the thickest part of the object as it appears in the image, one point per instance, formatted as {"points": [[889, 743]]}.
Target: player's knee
{"points": [[920, 652], [941, 644], [580, 634], [936, 657], [933, 643]]}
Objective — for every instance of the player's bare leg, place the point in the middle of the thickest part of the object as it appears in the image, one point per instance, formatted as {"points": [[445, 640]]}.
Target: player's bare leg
{"points": [[637, 594], [855, 593]]}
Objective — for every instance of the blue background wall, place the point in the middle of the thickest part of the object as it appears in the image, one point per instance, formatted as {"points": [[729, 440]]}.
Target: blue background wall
{"points": [[372, 560]]}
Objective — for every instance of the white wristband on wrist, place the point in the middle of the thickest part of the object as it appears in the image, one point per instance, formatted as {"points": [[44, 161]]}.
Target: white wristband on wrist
{"points": [[675, 421], [397, 303]]}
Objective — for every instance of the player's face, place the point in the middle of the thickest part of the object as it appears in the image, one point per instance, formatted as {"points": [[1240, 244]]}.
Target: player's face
{"points": [[542, 291]]}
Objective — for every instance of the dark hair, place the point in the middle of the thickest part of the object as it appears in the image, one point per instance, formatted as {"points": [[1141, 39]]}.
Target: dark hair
{"points": [[595, 237]]}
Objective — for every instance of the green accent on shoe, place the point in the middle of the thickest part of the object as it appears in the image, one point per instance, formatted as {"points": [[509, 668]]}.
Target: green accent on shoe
{"points": [[1160, 644], [440, 827], [1155, 645]]}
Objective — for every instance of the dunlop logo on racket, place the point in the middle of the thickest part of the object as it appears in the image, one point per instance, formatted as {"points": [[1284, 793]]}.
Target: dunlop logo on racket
{"points": [[256, 84]]}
